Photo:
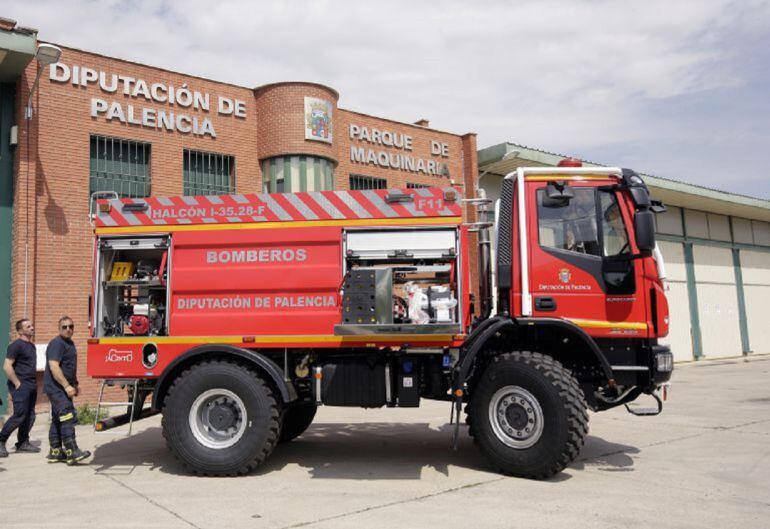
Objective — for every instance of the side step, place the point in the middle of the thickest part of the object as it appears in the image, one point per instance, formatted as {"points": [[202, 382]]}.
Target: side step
{"points": [[645, 412], [120, 420], [133, 385]]}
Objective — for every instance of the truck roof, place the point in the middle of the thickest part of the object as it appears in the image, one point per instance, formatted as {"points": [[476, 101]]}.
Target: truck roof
{"points": [[375, 206]]}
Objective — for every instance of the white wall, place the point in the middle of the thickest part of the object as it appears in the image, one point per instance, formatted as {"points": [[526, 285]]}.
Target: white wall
{"points": [[679, 337]]}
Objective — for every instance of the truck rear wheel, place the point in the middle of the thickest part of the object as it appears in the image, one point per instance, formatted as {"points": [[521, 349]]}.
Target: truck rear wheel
{"points": [[528, 415], [296, 420], [220, 419]]}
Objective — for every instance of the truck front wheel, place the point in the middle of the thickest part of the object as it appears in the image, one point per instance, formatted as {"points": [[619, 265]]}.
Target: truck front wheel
{"points": [[528, 415], [220, 419]]}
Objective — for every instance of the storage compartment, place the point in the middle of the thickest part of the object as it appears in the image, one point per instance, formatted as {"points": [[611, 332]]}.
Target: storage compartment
{"points": [[401, 280], [133, 296]]}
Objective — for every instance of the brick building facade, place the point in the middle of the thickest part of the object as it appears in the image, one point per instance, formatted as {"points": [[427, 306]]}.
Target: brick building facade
{"points": [[100, 120]]}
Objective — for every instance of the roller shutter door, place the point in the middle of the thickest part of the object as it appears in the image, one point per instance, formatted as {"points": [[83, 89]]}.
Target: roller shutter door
{"points": [[717, 301], [755, 267]]}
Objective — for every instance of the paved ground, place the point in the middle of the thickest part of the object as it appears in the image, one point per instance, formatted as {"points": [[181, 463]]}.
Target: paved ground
{"points": [[705, 462]]}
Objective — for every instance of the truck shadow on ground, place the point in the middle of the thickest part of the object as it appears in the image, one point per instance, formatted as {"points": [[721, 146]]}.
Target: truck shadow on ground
{"points": [[366, 451], [605, 456]]}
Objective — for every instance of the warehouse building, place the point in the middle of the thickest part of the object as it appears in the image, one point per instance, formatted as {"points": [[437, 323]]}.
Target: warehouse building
{"points": [[716, 247]]}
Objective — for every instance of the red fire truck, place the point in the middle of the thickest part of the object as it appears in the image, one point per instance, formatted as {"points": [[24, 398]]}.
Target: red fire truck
{"points": [[241, 314]]}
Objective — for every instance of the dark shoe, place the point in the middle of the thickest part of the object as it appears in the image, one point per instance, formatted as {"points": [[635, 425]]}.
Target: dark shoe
{"points": [[26, 446], [72, 453], [3, 451], [56, 455]]}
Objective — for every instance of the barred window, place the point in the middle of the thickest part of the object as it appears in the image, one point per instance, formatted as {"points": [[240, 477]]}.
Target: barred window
{"points": [[207, 173], [410, 185], [120, 165], [360, 182]]}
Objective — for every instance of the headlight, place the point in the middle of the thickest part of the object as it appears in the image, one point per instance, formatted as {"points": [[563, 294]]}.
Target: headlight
{"points": [[664, 362]]}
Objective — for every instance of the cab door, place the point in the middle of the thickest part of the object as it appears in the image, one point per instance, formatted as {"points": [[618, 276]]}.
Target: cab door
{"points": [[582, 264]]}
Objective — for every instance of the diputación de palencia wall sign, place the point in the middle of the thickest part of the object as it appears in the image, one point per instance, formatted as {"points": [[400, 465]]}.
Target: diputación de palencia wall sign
{"points": [[185, 120]]}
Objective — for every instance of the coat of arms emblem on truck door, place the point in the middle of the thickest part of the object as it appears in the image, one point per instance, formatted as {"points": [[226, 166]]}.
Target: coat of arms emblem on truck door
{"points": [[564, 275], [318, 119]]}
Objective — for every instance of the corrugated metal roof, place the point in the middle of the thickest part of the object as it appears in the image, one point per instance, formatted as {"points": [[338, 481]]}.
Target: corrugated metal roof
{"points": [[671, 191]]}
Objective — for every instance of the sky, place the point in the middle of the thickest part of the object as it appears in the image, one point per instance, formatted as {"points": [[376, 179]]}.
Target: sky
{"points": [[677, 89]]}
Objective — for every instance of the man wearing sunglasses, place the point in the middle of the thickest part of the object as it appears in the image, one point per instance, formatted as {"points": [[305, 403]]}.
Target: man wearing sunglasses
{"points": [[21, 367], [61, 385]]}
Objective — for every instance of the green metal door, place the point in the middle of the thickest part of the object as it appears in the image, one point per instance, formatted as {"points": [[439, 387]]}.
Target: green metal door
{"points": [[7, 93]]}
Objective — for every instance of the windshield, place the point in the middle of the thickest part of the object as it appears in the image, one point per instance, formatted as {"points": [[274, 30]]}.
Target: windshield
{"points": [[572, 225]]}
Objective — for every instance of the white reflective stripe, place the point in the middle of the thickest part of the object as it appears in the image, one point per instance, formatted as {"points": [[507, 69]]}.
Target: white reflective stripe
{"points": [[303, 209], [274, 206], [214, 199], [130, 217], [630, 368], [327, 206], [190, 201], [380, 204], [658, 256], [573, 171], [106, 219], [353, 204], [526, 298]]}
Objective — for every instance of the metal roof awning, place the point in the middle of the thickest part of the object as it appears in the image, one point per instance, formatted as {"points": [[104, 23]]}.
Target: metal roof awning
{"points": [[17, 48], [503, 158]]}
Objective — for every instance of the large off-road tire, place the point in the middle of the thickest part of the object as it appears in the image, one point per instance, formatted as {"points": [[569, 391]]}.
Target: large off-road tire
{"points": [[296, 420], [220, 419], [528, 415]]}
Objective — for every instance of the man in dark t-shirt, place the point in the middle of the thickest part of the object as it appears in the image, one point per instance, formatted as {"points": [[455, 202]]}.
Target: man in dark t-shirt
{"points": [[20, 367], [61, 385]]}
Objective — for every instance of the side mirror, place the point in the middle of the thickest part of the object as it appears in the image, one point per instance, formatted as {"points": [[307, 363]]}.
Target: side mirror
{"points": [[656, 206], [644, 226]]}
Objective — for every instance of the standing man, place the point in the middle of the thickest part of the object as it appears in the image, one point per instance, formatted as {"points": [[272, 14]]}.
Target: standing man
{"points": [[20, 367], [61, 386]]}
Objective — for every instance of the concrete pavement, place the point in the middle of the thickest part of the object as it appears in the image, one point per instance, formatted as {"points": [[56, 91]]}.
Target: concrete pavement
{"points": [[704, 462]]}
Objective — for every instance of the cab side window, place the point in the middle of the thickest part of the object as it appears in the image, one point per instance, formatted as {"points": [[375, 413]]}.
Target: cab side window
{"points": [[569, 226]]}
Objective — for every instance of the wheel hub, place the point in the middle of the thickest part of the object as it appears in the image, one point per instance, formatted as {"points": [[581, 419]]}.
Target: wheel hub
{"points": [[516, 417], [222, 417], [218, 418]]}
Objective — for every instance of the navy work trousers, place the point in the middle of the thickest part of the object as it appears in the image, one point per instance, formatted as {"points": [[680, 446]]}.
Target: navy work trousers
{"points": [[63, 417], [23, 417]]}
